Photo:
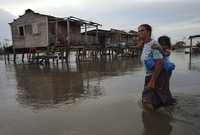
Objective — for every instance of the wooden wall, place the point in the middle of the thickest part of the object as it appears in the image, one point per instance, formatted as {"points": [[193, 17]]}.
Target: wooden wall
{"points": [[34, 31], [61, 34]]}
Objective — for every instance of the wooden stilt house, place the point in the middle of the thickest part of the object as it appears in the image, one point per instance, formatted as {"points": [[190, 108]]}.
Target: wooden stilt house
{"points": [[34, 30]]}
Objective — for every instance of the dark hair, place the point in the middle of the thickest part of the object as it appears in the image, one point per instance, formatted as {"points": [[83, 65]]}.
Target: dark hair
{"points": [[147, 27], [164, 41]]}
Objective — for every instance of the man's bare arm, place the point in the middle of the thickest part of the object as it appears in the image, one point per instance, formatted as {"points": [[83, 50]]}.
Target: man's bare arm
{"points": [[156, 73]]}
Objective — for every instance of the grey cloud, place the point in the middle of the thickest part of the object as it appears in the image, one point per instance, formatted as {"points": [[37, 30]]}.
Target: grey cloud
{"points": [[5, 18], [126, 16], [15, 2]]}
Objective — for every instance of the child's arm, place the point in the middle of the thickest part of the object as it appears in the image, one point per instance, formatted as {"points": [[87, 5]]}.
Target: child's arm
{"points": [[167, 52], [155, 46]]}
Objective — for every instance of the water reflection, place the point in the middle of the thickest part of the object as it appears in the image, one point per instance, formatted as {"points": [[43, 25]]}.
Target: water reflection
{"points": [[41, 87], [45, 88], [111, 67], [156, 123], [183, 62], [194, 64]]}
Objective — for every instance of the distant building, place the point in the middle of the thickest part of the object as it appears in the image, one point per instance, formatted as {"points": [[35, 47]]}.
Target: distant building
{"points": [[178, 45], [112, 37]]}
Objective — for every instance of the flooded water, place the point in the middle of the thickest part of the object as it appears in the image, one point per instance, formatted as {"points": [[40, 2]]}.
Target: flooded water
{"points": [[99, 97]]}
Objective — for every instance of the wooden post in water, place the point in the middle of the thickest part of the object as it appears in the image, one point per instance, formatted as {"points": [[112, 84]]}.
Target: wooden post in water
{"points": [[190, 59], [23, 57], [86, 34], [97, 34], [37, 58], [56, 32], [86, 41], [14, 53], [67, 46], [8, 56], [4, 55], [56, 39]]}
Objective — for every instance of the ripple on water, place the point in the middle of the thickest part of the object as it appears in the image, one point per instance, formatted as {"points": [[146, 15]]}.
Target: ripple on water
{"points": [[187, 110]]}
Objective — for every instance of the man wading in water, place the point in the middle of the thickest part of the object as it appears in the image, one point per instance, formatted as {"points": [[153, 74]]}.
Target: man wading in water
{"points": [[156, 91]]}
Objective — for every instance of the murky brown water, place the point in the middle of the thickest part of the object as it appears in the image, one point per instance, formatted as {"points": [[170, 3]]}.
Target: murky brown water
{"points": [[95, 98]]}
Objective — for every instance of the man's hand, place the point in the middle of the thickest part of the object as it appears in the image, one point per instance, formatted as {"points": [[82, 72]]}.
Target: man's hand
{"points": [[156, 73], [151, 84], [140, 43], [155, 46]]}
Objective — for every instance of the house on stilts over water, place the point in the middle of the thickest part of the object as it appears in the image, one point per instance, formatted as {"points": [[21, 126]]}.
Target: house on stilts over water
{"points": [[45, 37], [35, 32]]}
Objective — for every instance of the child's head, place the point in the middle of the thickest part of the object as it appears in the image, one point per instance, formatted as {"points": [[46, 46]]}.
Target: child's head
{"points": [[165, 42]]}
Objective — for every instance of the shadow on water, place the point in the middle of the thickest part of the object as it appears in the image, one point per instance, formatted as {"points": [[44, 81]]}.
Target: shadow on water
{"points": [[48, 86]]}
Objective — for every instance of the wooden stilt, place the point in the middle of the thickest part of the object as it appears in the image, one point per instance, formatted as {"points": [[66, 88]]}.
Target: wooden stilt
{"points": [[67, 46], [4, 55], [37, 59], [23, 57], [190, 59], [14, 53]]}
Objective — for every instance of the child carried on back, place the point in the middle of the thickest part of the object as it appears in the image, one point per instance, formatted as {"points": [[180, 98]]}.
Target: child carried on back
{"points": [[165, 49]]}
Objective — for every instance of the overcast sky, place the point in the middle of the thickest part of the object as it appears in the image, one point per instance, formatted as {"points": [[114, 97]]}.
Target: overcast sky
{"points": [[176, 18]]}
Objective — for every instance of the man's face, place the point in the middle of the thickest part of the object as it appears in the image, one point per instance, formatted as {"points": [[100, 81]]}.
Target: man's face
{"points": [[142, 33]]}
